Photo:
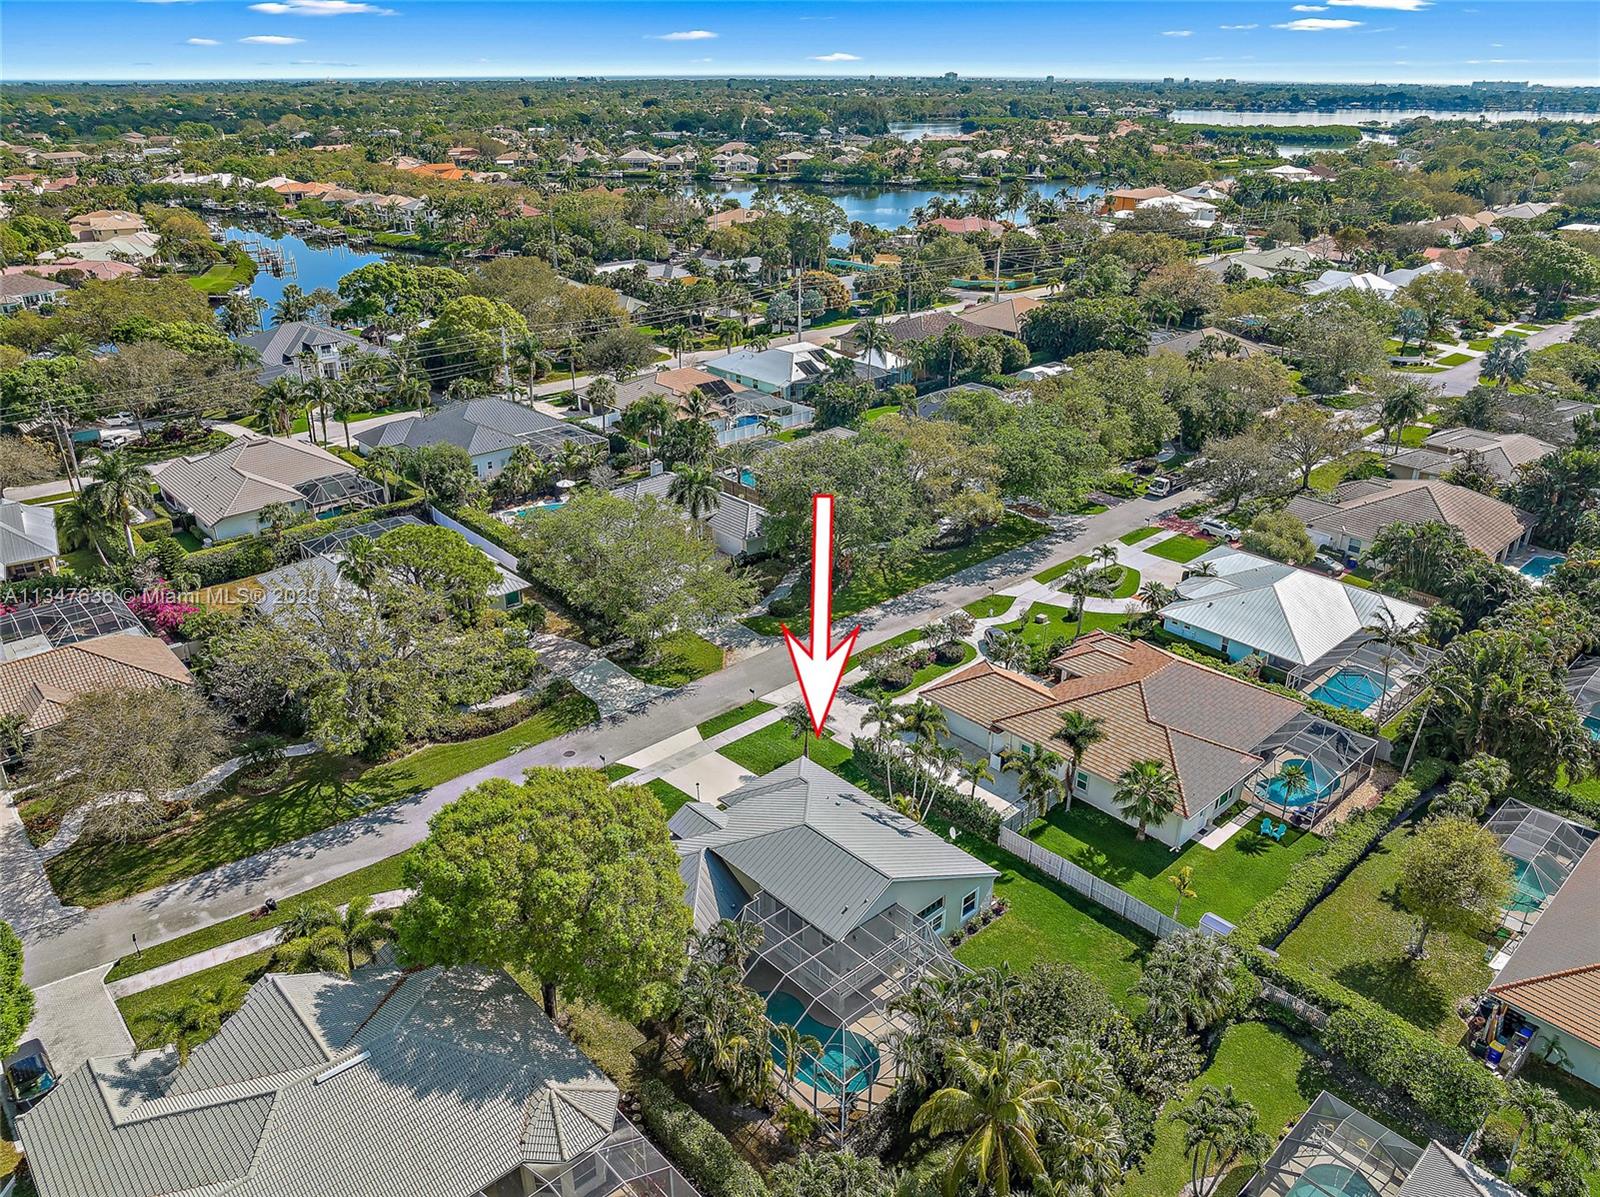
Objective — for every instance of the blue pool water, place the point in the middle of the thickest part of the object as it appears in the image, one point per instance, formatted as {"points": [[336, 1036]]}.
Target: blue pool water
{"points": [[1527, 890], [1322, 1179], [1592, 722], [747, 477], [1350, 689], [1538, 567], [523, 513], [1276, 792], [844, 1053]]}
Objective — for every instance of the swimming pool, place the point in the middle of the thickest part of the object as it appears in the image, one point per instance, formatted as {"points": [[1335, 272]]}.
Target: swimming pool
{"points": [[1592, 722], [1350, 689], [1276, 790], [1528, 892], [1337, 1179], [523, 513], [845, 1054], [1538, 567]]}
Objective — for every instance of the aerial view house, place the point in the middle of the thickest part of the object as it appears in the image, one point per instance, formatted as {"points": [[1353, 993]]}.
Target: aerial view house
{"points": [[104, 225], [28, 544], [786, 371], [1358, 511], [433, 1083], [734, 523], [488, 429], [853, 899], [1001, 315], [1303, 623], [224, 493], [25, 292], [303, 350], [740, 412], [1222, 739], [1502, 453]]}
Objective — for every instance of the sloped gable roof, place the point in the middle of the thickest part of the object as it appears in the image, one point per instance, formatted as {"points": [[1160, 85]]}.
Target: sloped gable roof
{"points": [[39, 688], [246, 475], [1362, 509], [1554, 974], [27, 532]]}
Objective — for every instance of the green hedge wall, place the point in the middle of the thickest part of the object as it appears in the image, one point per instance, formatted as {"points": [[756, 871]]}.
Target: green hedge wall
{"points": [[249, 555], [701, 1152]]}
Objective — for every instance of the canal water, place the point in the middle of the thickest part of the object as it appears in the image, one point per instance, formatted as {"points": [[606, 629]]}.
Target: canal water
{"points": [[308, 265], [1366, 116]]}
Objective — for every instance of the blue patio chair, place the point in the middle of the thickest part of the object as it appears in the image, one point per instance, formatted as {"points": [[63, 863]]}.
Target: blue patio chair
{"points": [[1278, 832], [1266, 826]]}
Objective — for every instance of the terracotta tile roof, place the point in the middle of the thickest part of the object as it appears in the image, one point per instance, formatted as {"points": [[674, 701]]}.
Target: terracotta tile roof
{"points": [[1555, 972], [40, 687], [1569, 1000]]}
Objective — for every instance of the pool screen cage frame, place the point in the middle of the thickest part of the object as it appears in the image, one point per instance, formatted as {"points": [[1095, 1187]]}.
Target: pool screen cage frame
{"points": [[626, 1162], [850, 983], [1335, 1132], [1551, 845], [1408, 667], [1583, 683], [1345, 755]]}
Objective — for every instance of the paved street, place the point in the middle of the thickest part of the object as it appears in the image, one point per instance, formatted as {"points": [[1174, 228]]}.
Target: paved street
{"points": [[83, 940]]}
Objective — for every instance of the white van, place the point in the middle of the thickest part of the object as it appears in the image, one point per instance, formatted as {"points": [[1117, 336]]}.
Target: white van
{"points": [[1160, 487]]}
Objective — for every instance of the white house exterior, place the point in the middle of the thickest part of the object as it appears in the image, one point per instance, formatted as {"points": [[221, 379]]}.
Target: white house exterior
{"points": [[488, 429], [28, 545]]}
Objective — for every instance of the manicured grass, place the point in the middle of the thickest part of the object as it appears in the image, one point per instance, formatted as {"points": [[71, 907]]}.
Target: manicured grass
{"points": [[316, 792], [1358, 934], [1228, 881], [1586, 789], [1421, 369], [1090, 509], [1455, 359], [1060, 623], [1139, 534], [1181, 548], [146, 1012], [1127, 583], [680, 659], [1530, 328], [1046, 921], [877, 413], [671, 796], [1060, 569], [992, 607], [722, 722], [763, 751], [1328, 475], [1481, 344], [237, 271], [869, 587], [903, 640], [618, 772], [376, 878]]}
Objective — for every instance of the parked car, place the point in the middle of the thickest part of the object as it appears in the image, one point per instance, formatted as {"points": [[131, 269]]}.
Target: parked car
{"points": [[1160, 487], [29, 1076], [1220, 528]]}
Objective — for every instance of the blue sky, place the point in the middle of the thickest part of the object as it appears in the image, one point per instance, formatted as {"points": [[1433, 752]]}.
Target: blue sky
{"points": [[1391, 41]]}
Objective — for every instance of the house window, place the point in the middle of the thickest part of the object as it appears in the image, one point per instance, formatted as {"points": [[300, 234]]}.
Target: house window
{"points": [[969, 906], [932, 914], [1080, 780]]}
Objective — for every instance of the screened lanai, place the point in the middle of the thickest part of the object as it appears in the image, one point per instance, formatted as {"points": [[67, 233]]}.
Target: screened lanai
{"points": [[1335, 1150], [1543, 848], [60, 620], [1309, 765], [1364, 673]]}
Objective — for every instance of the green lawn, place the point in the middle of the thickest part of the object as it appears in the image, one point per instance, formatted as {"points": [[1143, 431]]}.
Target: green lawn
{"points": [[1061, 569], [1046, 921], [671, 796], [992, 607], [146, 1012], [722, 722], [1328, 475], [680, 659], [238, 271], [1127, 583], [1455, 359], [903, 640], [618, 772], [1481, 344], [1139, 534], [868, 587], [1228, 881], [316, 792], [1357, 936], [1181, 548], [1060, 623], [763, 751]]}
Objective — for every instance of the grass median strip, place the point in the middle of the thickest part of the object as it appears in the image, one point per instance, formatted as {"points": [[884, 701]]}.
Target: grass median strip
{"points": [[733, 718]]}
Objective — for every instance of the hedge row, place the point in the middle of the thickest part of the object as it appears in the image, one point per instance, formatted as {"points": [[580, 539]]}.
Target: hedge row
{"points": [[1446, 1084], [701, 1152], [249, 555], [950, 804], [1567, 802], [485, 525], [1314, 877]]}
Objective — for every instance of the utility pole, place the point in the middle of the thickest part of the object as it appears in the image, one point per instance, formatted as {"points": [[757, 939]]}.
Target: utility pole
{"points": [[799, 318], [505, 359], [999, 246]]}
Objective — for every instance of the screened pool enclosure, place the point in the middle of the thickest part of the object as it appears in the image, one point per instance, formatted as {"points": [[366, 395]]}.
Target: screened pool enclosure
{"points": [[1335, 1150], [1309, 765], [1543, 849]]}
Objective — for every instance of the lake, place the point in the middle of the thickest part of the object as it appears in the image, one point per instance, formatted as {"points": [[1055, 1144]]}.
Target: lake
{"points": [[891, 207], [307, 266], [917, 130], [1364, 116]]}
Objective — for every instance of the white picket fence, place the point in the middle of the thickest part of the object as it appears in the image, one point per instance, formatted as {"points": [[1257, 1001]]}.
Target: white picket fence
{"points": [[1114, 899]]}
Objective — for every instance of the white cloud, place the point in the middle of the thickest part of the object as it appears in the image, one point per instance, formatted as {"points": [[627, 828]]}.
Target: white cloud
{"points": [[1252, 25], [319, 8], [1309, 8], [201, 41], [700, 60], [1316, 24], [1391, 5], [1177, 33], [686, 35], [271, 39], [836, 56]]}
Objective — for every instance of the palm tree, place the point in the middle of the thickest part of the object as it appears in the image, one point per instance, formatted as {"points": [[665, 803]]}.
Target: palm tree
{"points": [[728, 333], [650, 417], [792, 1043], [1221, 1127], [676, 339], [1079, 731], [574, 458], [974, 771], [695, 489], [1079, 582], [384, 463], [322, 951], [1155, 595], [1405, 400], [925, 721], [79, 523], [1183, 882], [360, 931], [999, 1099], [697, 405], [119, 489], [524, 472], [1296, 781], [294, 304], [528, 361], [1035, 768], [199, 1018], [1506, 362], [241, 314], [360, 565], [797, 718], [873, 338], [1537, 1107], [1146, 792], [308, 918], [276, 405]]}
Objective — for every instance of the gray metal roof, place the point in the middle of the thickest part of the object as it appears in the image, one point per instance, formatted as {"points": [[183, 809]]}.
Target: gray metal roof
{"points": [[27, 532], [281, 346], [479, 426], [825, 849], [428, 1084], [1442, 1173]]}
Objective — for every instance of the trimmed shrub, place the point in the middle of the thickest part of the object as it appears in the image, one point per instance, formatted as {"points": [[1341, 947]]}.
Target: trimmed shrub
{"points": [[248, 555], [962, 810], [704, 1156], [470, 725], [486, 526]]}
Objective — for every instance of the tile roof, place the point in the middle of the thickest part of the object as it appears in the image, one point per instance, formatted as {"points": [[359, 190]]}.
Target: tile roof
{"points": [[1202, 724], [1363, 509], [21, 286], [39, 687], [389, 1085], [479, 426], [1554, 974], [1502, 452], [246, 475], [823, 848]]}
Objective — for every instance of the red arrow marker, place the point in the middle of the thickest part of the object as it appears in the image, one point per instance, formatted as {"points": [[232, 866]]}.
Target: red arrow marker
{"points": [[820, 666]]}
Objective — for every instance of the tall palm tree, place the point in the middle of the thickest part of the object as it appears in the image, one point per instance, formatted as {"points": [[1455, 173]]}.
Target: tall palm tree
{"points": [[697, 405], [241, 315], [1156, 595], [649, 417], [1079, 731], [1296, 782], [1395, 641], [695, 489], [79, 523], [1220, 1129], [383, 464], [925, 721], [728, 333], [797, 718], [276, 405], [528, 361], [1035, 768], [119, 489], [1080, 582], [999, 1099], [200, 1017], [974, 771], [1405, 400], [676, 339], [574, 458], [1146, 792], [360, 931], [793, 1043], [294, 304], [1506, 362]]}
